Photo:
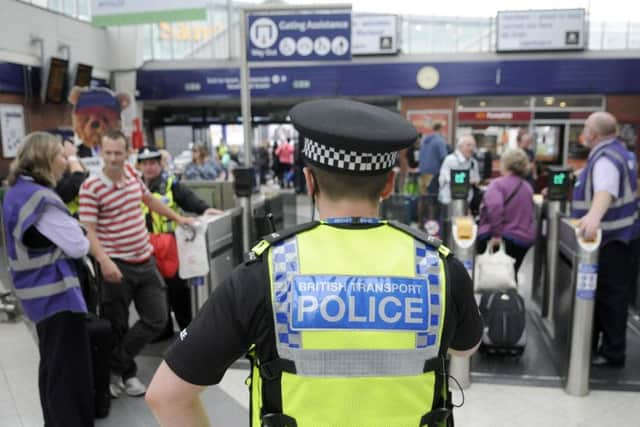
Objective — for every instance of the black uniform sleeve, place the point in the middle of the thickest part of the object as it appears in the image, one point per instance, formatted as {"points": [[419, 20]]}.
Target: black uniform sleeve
{"points": [[467, 326], [69, 185], [235, 316], [187, 199]]}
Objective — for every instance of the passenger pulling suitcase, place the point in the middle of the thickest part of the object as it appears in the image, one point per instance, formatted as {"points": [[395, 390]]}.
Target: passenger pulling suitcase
{"points": [[504, 316]]}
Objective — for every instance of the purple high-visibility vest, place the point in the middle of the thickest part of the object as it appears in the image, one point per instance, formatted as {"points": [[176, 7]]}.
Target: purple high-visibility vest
{"points": [[620, 222], [45, 279]]}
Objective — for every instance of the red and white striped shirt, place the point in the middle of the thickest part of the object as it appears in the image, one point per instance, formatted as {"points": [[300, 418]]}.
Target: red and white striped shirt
{"points": [[116, 210]]}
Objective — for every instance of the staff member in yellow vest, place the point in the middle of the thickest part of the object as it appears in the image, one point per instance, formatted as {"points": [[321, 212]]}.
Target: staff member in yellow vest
{"points": [[173, 194], [347, 320]]}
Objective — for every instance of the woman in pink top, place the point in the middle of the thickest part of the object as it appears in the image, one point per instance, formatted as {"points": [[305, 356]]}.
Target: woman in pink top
{"points": [[507, 211], [285, 156]]}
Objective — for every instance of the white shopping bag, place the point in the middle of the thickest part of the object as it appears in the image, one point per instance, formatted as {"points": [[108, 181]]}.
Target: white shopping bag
{"points": [[494, 270], [192, 248]]}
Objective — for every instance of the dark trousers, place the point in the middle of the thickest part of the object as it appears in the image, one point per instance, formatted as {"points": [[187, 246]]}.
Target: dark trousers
{"points": [[515, 251], [65, 378], [617, 271], [142, 284], [179, 301]]}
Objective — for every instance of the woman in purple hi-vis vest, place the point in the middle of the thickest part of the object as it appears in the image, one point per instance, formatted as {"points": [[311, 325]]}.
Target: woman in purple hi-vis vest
{"points": [[43, 239]]}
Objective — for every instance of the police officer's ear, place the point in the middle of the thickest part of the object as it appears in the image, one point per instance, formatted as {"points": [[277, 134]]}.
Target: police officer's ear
{"points": [[388, 185], [310, 179]]}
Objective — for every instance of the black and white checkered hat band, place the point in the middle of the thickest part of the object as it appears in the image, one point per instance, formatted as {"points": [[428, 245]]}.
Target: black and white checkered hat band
{"points": [[348, 160]]}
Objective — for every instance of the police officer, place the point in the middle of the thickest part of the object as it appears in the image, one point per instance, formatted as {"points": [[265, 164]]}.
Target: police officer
{"points": [[172, 193], [605, 197], [347, 320]]}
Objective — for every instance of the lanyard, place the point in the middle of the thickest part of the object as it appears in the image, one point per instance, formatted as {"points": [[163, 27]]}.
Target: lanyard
{"points": [[352, 220]]}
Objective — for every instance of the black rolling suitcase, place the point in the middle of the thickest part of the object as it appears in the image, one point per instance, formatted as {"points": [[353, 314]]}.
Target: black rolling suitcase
{"points": [[100, 334], [504, 316], [100, 342]]}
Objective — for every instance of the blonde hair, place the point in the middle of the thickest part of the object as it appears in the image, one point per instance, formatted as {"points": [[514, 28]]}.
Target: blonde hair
{"points": [[35, 156], [516, 161]]}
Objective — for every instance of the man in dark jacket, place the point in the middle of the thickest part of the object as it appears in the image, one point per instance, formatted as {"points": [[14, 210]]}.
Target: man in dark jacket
{"points": [[175, 195]]}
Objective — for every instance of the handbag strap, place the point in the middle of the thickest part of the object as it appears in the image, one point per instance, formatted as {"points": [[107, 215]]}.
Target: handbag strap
{"points": [[514, 192]]}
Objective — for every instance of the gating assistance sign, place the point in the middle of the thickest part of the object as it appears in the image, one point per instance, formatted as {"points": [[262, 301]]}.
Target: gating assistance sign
{"points": [[359, 302], [305, 36]]}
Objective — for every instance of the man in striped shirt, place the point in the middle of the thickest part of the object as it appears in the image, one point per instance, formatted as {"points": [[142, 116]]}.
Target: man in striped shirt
{"points": [[110, 209]]}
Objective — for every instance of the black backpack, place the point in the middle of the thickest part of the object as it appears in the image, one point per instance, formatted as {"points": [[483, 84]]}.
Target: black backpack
{"points": [[504, 315]]}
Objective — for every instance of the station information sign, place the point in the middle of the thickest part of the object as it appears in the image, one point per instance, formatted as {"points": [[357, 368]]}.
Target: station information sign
{"points": [[539, 30], [314, 35]]}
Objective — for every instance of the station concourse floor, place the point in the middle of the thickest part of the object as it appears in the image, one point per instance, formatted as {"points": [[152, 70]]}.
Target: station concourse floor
{"points": [[491, 405]]}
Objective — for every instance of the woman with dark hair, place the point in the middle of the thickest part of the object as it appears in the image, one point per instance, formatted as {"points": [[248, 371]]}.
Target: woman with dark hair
{"points": [[506, 212], [43, 239]]}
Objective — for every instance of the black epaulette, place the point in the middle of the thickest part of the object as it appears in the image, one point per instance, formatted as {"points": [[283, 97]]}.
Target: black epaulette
{"points": [[422, 237], [270, 239]]}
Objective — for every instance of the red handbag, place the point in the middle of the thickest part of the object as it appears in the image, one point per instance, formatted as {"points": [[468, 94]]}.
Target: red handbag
{"points": [[165, 250]]}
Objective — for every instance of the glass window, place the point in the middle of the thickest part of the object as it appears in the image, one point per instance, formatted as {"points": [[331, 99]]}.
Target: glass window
{"points": [[634, 36], [568, 101], [69, 7], [84, 12], [615, 36], [494, 102], [182, 37], [161, 39], [577, 149], [147, 54], [55, 5], [595, 35]]}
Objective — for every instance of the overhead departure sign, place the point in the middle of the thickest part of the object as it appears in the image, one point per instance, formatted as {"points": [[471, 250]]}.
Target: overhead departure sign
{"points": [[299, 36], [537, 30]]}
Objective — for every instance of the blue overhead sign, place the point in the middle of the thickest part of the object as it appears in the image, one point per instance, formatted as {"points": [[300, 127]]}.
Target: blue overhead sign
{"points": [[303, 36], [575, 76]]}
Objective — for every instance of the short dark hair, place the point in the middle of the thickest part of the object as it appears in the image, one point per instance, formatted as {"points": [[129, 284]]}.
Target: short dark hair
{"points": [[437, 126], [338, 186], [115, 134]]}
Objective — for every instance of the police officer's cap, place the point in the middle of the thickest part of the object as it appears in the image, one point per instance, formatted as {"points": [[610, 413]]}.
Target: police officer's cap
{"points": [[351, 137], [148, 153]]}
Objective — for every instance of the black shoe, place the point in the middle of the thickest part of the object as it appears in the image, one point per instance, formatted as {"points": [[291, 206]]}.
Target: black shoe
{"points": [[602, 362]]}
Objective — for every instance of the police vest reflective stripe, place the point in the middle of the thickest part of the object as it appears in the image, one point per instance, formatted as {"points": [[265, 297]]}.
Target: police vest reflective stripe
{"points": [[159, 223], [357, 314], [74, 205]]}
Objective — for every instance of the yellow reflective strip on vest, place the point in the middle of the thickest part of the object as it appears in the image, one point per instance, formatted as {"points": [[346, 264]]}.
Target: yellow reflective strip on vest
{"points": [[444, 251], [74, 205], [262, 246]]}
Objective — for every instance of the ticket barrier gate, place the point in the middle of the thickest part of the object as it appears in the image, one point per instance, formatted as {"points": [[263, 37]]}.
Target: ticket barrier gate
{"points": [[577, 272], [546, 250], [461, 239], [224, 246], [463, 243]]}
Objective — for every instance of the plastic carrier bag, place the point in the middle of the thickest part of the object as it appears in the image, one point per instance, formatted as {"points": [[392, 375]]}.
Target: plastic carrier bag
{"points": [[494, 269], [192, 248]]}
